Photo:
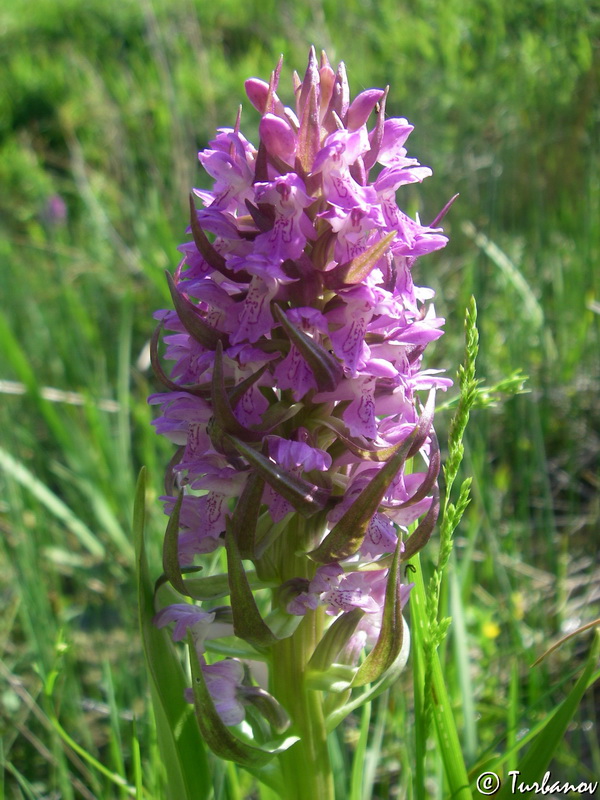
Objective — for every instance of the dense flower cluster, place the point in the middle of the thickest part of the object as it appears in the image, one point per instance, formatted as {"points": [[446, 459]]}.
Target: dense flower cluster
{"points": [[297, 340]]}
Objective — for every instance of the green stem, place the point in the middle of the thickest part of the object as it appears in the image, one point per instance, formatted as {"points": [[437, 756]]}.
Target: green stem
{"points": [[305, 766]]}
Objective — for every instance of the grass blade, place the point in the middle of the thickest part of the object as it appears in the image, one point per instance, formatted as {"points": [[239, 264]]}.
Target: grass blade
{"points": [[358, 762], [19, 472], [463, 668], [535, 763], [182, 749], [449, 745]]}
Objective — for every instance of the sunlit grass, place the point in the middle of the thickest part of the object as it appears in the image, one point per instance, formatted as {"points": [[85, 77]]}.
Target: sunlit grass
{"points": [[105, 105]]}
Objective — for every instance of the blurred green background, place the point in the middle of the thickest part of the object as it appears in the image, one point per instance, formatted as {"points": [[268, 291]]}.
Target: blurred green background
{"points": [[103, 106]]}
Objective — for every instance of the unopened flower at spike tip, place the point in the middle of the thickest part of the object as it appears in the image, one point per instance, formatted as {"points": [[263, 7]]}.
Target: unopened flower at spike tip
{"points": [[297, 343]]}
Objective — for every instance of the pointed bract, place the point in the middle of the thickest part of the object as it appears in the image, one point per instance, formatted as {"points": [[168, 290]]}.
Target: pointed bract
{"points": [[326, 369], [247, 621]]}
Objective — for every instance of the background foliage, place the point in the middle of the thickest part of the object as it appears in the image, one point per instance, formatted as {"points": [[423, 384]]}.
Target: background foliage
{"points": [[103, 106]]}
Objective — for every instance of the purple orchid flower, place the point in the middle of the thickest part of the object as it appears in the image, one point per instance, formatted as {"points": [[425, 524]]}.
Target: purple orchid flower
{"points": [[297, 346]]}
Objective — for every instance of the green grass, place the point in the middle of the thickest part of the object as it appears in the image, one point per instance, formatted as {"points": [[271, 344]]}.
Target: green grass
{"points": [[106, 105]]}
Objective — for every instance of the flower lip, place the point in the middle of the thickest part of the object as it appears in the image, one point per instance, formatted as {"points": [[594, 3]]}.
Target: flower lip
{"points": [[297, 455]]}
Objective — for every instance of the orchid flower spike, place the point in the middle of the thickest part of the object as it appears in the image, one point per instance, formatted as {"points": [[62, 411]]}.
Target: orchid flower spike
{"points": [[299, 402]]}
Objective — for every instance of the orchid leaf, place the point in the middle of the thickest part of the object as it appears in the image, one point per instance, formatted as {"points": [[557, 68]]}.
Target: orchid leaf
{"points": [[389, 642], [322, 251], [372, 691], [283, 624], [372, 453], [337, 678], [262, 222], [221, 740], [182, 750], [224, 419], [279, 413], [246, 513], [236, 393], [213, 258], [309, 132], [429, 481], [420, 536], [347, 535], [431, 476], [261, 173], [361, 266], [198, 390], [280, 165], [247, 621], [325, 367], [311, 78], [269, 708], [304, 496], [233, 647], [211, 587], [208, 252], [439, 217], [335, 638], [162, 578], [377, 454], [355, 271], [170, 477], [171, 550], [198, 329]]}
